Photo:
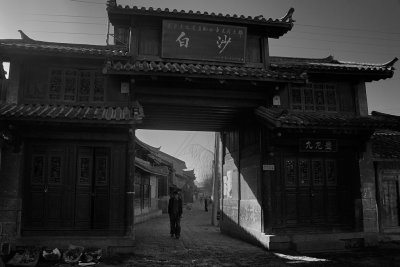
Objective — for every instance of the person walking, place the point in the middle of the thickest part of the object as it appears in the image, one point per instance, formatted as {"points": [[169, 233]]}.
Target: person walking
{"points": [[206, 204], [175, 214]]}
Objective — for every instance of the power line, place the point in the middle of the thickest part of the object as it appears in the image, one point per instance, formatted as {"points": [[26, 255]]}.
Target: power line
{"points": [[335, 50], [181, 145], [188, 143], [344, 35], [69, 22], [346, 29], [65, 15], [87, 2], [77, 33], [333, 41]]}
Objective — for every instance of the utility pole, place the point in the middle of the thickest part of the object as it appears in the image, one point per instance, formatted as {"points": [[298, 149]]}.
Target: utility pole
{"points": [[216, 179]]}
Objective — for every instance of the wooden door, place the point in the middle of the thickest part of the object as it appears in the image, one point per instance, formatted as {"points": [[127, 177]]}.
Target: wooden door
{"points": [[390, 201], [92, 190], [310, 188], [47, 205]]}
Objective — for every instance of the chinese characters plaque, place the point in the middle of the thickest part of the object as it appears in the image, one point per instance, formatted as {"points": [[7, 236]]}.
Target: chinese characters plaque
{"points": [[203, 41], [318, 145]]}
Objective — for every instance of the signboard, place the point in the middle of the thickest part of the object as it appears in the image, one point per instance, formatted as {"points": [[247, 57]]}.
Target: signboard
{"points": [[318, 145], [268, 167], [203, 41]]}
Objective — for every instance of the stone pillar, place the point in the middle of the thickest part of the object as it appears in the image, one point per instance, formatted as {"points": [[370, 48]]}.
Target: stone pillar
{"points": [[368, 192], [130, 185]]}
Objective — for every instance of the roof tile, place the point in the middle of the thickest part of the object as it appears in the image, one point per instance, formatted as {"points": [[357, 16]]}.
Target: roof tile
{"points": [[200, 69], [279, 118], [70, 113]]}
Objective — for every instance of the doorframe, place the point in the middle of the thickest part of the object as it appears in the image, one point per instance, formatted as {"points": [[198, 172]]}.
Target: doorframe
{"points": [[379, 172], [25, 180]]}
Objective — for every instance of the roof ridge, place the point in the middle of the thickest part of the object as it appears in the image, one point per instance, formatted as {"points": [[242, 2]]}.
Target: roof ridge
{"points": [[329, 58], [26, 39], [388, 64]]}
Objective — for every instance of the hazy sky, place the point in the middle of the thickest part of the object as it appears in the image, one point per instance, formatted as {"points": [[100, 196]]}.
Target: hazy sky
{"points": [[356, 30]]}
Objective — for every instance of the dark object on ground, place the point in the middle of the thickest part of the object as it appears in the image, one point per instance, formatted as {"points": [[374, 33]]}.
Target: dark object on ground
{"points": [[51, 254], [90, 257], [26, 256], [73, 254]]}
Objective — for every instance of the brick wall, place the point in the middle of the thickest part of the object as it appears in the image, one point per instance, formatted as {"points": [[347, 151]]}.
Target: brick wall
{"points": [[10, 200], [368, 192]]}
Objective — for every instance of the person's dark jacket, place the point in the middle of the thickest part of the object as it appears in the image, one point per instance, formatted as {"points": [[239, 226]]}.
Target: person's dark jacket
{"points": [[170, 203]]}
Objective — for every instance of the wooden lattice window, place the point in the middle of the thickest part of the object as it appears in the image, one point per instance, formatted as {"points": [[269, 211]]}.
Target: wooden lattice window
{"points": [[331, 172], [84, 170], [98, 95], [55, 169], [71, 85], [313, 97], [304, 172], [84, 86], [56, 84], [290, 172], [37, 169], [317, 172], [101, 170]]}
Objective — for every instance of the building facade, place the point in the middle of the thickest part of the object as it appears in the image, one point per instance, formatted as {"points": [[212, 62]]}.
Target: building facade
{"points": [[292, 157]]}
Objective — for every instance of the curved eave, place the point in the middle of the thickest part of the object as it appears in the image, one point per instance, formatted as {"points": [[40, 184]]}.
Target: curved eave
{"points": [[366, 74], [272, 28]]}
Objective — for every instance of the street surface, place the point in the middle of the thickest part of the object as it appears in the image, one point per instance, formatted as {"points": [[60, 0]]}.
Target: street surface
{"points": [[201, 244]]}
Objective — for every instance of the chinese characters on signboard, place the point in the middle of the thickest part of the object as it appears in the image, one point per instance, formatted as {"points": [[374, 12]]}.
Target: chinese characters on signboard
{"points": [[203, 41], [318, 145]]}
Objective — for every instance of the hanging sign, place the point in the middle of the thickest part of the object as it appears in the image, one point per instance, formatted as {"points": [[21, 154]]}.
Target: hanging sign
{"points": [[203, 41], [318, 145]]}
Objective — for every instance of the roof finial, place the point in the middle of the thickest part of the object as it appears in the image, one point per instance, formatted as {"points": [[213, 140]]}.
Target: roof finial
{"points": [[391, 63], [112, 3], [288, 16], [24, 37]]}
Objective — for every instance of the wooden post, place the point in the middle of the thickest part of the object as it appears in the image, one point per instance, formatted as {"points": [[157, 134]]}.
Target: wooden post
{"points": [[130, 185]]}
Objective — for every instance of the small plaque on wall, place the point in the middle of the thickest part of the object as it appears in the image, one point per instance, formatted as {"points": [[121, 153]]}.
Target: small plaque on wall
{"points": [[318, 145], [268, 167], [124, 88]]}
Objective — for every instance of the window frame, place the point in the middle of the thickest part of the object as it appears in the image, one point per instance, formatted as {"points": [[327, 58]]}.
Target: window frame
{"points": [[315, 88], [92, 97]]}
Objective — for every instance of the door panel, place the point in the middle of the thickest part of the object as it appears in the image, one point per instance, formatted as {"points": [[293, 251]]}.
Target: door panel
{"points": [[101, 189], [83, 205], [390, 201], [311, 187], [44, 204]]}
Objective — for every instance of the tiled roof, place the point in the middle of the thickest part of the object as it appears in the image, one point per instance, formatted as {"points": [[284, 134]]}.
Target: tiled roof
{"points": [[147, 167], [386, 145], [28, 44], [278, 118], [281, 25], [330, 64], [71, 113], [189, 69]]}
